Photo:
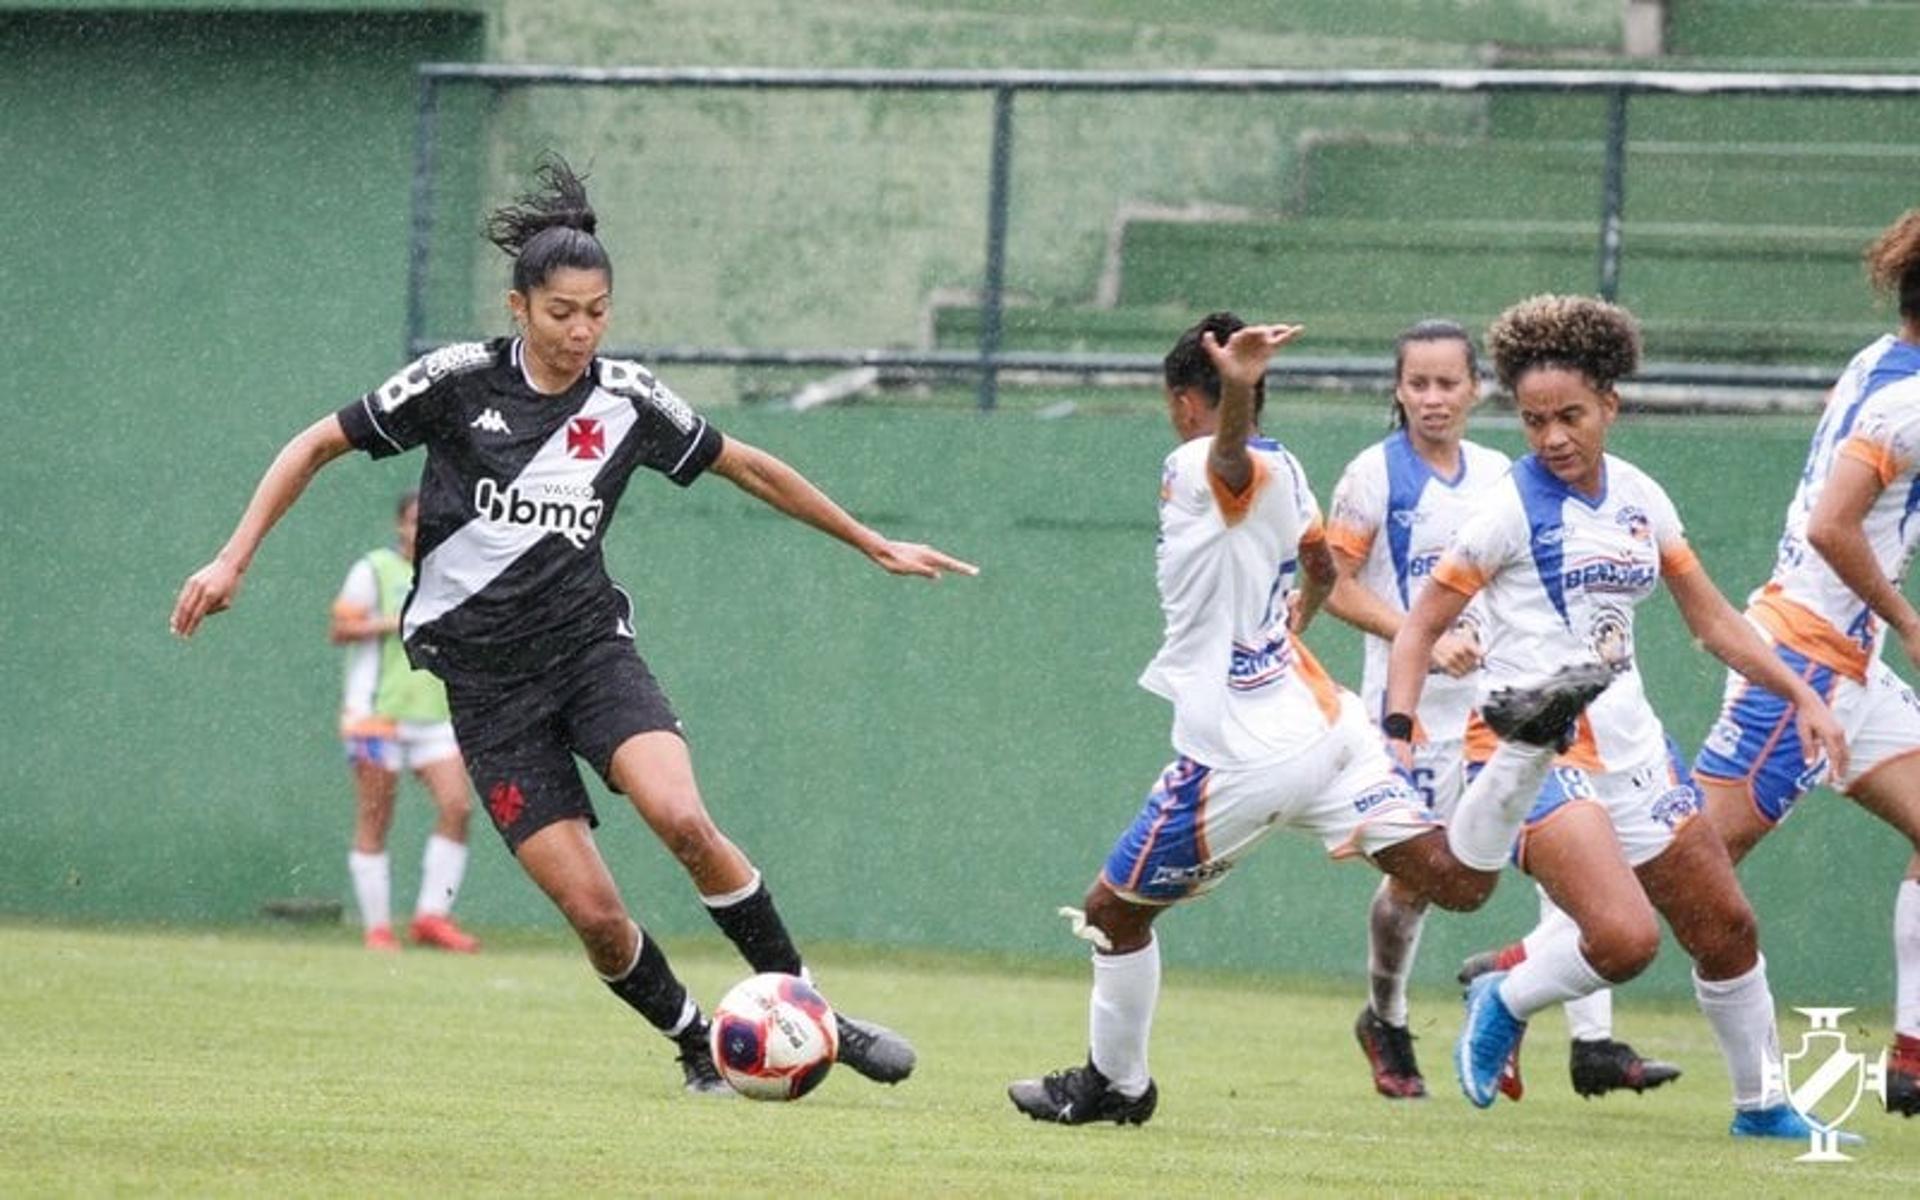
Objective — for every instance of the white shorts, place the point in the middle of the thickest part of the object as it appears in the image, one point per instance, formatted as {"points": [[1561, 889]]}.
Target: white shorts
{"points": [[1647, 801], [412, 744], [1440, 775], [1199, 820], [1756, 742]]}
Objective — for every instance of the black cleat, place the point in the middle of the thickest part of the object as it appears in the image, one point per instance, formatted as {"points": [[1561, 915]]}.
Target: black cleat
{"points": [[1609, 1066], [1081, 1096], [1543, 715], [696, 1062], [1473, 966], [874, 1051], [1903, 1076], [1389, 1051]]}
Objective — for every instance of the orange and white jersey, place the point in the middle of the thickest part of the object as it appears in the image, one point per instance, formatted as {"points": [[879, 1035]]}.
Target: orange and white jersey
{"points": [[1560, 576], [1872, 415], [1394, 513], [1244, 690]]}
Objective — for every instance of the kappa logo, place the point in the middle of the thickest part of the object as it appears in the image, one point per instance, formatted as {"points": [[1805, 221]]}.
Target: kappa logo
{"points": [[571, 512], [1824, 1080], [491, 421], [586, 438]]}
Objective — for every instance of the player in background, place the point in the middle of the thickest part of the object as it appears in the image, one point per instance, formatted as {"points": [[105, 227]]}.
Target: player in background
{"points": [[530, 443], [394, 717], [1826, 611], [1561, 554], [1393, 510], [1264, 738]]}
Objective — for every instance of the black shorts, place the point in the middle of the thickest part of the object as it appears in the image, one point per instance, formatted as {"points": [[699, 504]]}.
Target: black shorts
{"points": [[519, 741]]}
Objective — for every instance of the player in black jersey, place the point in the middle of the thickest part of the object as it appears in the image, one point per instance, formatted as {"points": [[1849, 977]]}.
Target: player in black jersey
{"points": [[530, 443]]}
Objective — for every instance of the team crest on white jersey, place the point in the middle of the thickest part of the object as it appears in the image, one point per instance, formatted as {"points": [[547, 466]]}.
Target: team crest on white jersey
{"points": [[491, 421], [586, 438]]}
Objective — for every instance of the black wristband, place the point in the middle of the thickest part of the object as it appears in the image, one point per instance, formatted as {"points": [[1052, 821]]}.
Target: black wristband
{"points": [[1397, 726]]}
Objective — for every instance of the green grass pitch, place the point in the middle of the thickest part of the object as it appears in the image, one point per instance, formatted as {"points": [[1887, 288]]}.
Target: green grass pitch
{"points": [[258, 1063]]}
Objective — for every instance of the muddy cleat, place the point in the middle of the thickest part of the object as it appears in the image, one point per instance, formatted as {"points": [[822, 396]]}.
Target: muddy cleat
{"points": [[433, 929], [1389, 1051], [1609, 1066], [1903, 1076], [380, 939], [874, 1051], [1487, 1040], [1781, 1121], [1081, 1096], [696, 1062], [1506, 958], [1543, 714]]}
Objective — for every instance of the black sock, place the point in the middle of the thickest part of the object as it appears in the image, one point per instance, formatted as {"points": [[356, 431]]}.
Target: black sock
{"points": [[653, 991], [754, 927]]}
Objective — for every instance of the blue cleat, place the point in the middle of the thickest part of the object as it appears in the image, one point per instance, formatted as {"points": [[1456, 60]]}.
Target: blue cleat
{"points": [[1487, 1040], [1780, 1121]]}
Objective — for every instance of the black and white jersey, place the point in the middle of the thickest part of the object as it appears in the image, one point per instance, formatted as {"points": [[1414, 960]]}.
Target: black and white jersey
{"points": [[516, 494]]}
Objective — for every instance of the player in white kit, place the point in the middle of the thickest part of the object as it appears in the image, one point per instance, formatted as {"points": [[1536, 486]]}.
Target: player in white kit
{"points": [[1833, 596], [1561, 555], [1264, 738], [1393, 511]]}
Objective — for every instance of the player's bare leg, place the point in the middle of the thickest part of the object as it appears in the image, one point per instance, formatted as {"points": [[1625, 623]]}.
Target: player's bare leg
{"points": [[444, 864], [373, 793], [1394, 921], [566, 864], [655, 771], [1113, 1085], [1891, 791]]}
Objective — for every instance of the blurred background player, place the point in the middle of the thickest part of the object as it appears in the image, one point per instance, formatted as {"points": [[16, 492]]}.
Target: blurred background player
{"points": [[531, 442], [1826, 610], [1562, 553], [1265, 739], [392, 718], [1395, 507]]}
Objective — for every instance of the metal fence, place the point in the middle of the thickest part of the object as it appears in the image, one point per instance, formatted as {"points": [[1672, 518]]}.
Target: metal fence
{"points": [[988, 361]]}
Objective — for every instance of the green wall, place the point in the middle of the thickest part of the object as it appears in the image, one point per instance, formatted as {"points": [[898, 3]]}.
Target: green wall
{"points": [[207, 252]]}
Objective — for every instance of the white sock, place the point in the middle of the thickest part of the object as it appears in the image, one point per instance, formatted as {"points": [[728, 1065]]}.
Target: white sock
{"points": [[1741, 1013], [441, 869], [1393, 936], [1906, 958], [1495, 806], [1553, 973], [372, 887], [1590, 1018], [1120, 1018]]}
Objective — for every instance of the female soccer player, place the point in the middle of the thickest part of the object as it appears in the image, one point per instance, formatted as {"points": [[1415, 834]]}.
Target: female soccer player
{"points": [[530, 443], [1562, 553], [1393, 510], [1833, 596], [1264, 738], [392, 717]]}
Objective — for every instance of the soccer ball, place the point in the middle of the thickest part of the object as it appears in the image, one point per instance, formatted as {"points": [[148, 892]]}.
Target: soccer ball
{"points": [[774, 1037]]}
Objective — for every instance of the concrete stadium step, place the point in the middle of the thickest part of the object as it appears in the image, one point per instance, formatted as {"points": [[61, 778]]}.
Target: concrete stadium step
{"points": [[1397, 267], [1777, 120], [1450, 178], [1797, 29], [1150, 329]]}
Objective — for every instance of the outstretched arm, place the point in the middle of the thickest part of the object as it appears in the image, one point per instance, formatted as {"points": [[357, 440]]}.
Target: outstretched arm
{"points": [[1728, 637], [212, 588], [779, 486], [1434, 611], [1361, 607]]}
